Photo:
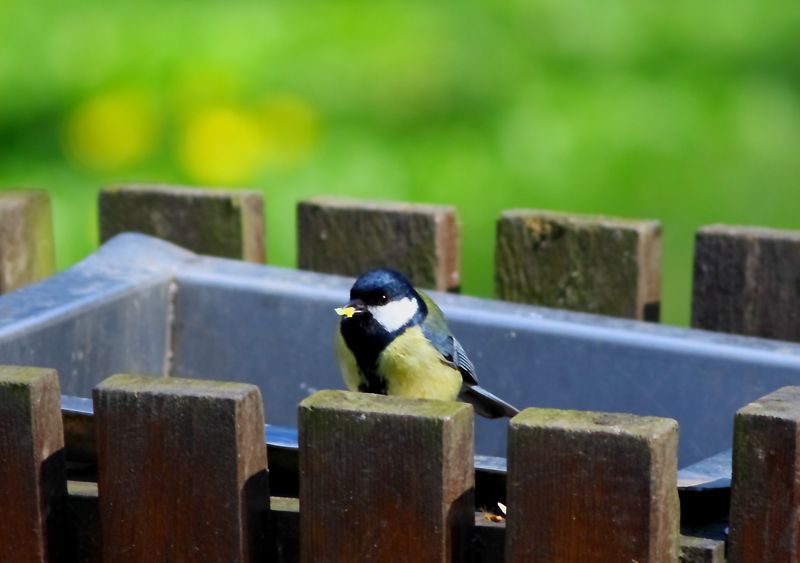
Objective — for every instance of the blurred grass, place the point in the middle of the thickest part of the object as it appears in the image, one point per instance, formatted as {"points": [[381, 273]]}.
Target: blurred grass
{"points": [[684, 112]]}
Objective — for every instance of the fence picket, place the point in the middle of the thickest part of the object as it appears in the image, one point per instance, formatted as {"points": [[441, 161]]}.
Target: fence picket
{"points": [[26, 238], [181, 470], [217, 222], [348, 237], [585, 263], [765, 493], [32, 471], [747, 281], [591, 487], [384, 479]]}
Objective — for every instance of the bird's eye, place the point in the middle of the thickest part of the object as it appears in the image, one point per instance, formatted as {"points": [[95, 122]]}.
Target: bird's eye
{"points": [[383, 299]]}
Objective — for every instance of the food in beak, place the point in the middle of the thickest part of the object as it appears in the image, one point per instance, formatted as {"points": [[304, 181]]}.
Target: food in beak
{"points": [[347, 311]]}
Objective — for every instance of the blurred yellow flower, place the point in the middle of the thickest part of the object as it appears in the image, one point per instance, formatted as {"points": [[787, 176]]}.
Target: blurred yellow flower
{"points": [[225, 144], [222, 145], [112, 130]]}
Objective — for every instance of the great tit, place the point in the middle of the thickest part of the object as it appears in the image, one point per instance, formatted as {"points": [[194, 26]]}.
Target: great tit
{"points": [[394, 340]]}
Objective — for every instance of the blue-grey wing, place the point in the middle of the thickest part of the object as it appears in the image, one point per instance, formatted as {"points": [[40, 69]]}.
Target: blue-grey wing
{"points": [[453, 354], [463, 363], [438, 333]]}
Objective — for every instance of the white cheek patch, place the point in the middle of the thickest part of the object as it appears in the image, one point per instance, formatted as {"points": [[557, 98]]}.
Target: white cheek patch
{"points": [[395, 314]]}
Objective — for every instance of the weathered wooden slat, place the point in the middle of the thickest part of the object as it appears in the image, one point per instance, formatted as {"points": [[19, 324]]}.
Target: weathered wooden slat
{"points": [[216, 222], [702, 550], [586, 486], [281, 443], [32, 466], [284, 530], [747, 281], [384, 478], [585, 263], [485, 546], [348, 237], [181, 470], [283, 543], [84, 522], [765, 491], [26, 238]]}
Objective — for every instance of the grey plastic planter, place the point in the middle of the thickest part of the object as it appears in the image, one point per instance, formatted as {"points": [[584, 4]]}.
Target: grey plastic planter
{"points": [[141, 305]]}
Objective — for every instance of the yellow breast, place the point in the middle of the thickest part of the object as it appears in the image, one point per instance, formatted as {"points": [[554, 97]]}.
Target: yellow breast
{"points": [[412, 367], [347, 363]]}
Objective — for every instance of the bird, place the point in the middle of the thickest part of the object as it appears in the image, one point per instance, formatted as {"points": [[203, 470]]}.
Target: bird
{"points": [[393, 339]]}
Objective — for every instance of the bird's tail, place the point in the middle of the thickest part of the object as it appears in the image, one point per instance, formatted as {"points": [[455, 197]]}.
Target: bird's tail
{"points": [[485, 403]]}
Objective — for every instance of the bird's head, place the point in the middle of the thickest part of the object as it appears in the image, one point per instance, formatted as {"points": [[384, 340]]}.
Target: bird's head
{"points": [[383, 300]]}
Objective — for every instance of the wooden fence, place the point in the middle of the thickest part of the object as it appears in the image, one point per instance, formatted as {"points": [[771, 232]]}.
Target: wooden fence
{"points": [[177, 469]]}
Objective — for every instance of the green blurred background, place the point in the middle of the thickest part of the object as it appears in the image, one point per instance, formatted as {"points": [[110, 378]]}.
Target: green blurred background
{"points": [[687, 112]]}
